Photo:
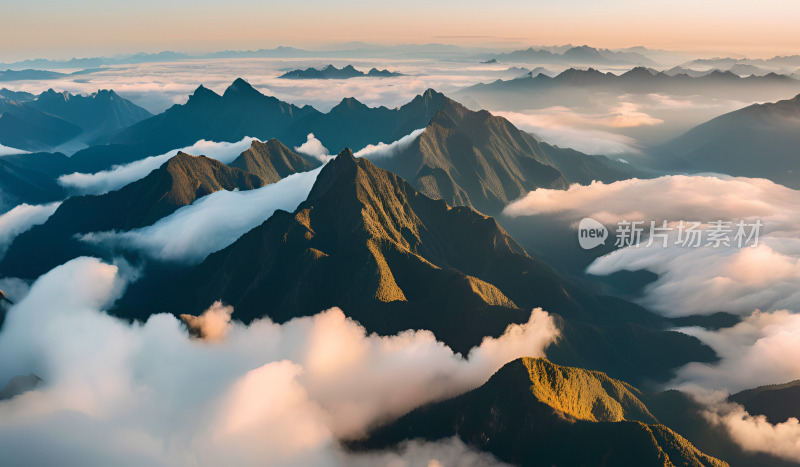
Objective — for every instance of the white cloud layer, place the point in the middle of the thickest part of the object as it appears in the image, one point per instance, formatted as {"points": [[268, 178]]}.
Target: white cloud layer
{"points": [[121, 175], [147, 394], [756, 434], [562, 127], [6, 151], [389, 150], [693, 280], [21, 219], [314, 148], [211, 223]]}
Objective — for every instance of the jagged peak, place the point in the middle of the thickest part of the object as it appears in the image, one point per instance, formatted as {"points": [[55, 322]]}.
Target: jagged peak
{"points": [[349, 103], [203, 92], [240, 87], [344, 163]]}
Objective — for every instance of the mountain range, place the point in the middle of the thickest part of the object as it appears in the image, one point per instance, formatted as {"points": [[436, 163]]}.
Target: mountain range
{"points": [[575, 87], [54, 118], [583, 55], [509, 153], [178, 182], [331, 72], [241, 111], [393, 259]]}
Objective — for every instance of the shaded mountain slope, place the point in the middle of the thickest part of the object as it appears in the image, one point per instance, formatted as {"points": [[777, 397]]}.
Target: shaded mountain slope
{"points": [[48, 163], [681, 413], [21, 185], [534, 413], [98, 114], [24, 127], [777, 402], [178, 182], [394, 259], [761, 140], [241, 111], [273, 161], [481, 160]]}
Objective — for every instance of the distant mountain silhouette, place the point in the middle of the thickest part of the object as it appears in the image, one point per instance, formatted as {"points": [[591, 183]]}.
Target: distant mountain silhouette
{"points": [[54, 118], [178, 182], [99, 114], [19, 96], [383, 73], [532, 412], [11, 75], [573, 87], [241, 111], [760, 140], [583, 55], [393, 259], [273, 161], [331, 72], [355, 125]]}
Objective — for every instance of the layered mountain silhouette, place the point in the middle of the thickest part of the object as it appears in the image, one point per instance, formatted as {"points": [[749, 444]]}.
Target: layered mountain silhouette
{"points": [[178, 182], [466, 158], [241, 111], [534, 413], [19, 75], [99, 114], [760, 140], [273, 161], [582, 55], [355, 125], [394, 259], [331, 72], [572, 87], [54, 118]]}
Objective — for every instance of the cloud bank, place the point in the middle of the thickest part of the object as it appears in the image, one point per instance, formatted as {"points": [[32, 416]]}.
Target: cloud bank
{"points": [[590, 134], [211, 223], [314, 148], [119, 176], [389, 150], [149, 394], [5, 151], [21, 219], [692, 280]]}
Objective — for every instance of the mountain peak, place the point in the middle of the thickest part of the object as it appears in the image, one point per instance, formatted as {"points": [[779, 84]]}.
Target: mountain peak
{"points": [[344, 162], [203, 93], [240, 87]]}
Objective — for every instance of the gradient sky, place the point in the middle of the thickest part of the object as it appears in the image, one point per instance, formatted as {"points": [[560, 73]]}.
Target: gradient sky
{"points": [[62, 29]]}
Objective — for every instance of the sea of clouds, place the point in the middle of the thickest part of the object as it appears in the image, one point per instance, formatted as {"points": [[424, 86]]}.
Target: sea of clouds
{"points": [[116, 393], [759, 283]]}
